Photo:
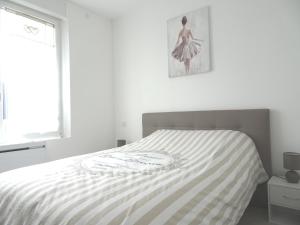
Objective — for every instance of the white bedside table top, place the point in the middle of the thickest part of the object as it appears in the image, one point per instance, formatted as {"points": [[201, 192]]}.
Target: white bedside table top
{"points": [[282, 182]]}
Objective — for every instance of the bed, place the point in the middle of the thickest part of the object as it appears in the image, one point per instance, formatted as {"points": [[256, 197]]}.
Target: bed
{"points": [[190, 168]]}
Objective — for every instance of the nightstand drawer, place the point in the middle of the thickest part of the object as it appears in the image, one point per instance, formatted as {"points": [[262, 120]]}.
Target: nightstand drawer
{"points": [[283, 196]]}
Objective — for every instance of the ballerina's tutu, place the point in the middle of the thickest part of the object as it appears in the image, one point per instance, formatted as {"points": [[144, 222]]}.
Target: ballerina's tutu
{"points": [[186, 50]]}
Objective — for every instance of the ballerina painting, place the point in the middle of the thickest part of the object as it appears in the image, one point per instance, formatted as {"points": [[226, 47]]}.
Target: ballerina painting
{"points": [[188, 43]]}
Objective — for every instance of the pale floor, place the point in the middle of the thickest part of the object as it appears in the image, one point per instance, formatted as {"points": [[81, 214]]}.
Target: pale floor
{"points": [[255, 216]]}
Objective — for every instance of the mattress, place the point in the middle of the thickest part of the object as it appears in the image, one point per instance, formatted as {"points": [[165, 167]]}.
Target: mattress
{"points": [[170, 177]]}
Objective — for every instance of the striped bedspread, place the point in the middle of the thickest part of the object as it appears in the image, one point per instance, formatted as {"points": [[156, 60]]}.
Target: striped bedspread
{"points": [[193, 177]]}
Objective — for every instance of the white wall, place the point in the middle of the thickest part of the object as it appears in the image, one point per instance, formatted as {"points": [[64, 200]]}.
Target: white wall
{"points": [[92, 111], [255, 51]]}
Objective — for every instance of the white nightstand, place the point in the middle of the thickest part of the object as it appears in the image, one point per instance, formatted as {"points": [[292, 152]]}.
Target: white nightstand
{"points": [[284, 202]]}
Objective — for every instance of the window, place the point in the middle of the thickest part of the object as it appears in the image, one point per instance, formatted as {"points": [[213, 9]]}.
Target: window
{"points": [[30, 76]]}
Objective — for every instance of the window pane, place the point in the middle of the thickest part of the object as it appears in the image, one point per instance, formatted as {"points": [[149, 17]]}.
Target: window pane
{"points": [[30, 75]]}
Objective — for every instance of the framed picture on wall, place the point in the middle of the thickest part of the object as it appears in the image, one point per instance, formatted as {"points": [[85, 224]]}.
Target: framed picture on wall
{"points": [[189, 43]]}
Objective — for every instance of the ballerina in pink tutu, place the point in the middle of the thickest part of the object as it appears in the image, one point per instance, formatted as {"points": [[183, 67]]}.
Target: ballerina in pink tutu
{"points": [[187, 48]]}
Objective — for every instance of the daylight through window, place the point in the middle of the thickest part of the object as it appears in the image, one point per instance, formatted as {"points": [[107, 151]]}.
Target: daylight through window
{"points": [[30, 101]]}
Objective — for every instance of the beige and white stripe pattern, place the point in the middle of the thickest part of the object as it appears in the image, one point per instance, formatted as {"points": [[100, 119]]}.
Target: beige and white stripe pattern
{"points": [[213, 186]]}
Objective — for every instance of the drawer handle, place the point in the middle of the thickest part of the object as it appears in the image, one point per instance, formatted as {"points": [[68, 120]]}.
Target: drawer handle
{"points": [[287, 197]]}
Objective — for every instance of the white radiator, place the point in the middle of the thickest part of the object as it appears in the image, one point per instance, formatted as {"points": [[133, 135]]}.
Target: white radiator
{"points": [[22, 156]]}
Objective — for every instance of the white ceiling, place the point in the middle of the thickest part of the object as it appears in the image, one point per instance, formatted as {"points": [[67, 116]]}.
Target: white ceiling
{"points": [[109, 8]]}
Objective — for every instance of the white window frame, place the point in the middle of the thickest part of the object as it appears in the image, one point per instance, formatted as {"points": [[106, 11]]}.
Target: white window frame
{"points": [[34, 14]]}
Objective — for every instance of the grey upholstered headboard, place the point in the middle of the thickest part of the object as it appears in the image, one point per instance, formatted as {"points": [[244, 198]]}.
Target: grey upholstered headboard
{"points": [[254, 122]]}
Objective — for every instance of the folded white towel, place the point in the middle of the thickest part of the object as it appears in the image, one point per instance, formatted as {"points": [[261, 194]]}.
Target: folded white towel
{"points": [[122, 162]]}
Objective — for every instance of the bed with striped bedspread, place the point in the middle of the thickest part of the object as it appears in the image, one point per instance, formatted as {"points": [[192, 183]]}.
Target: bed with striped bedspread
{"points": [[211, 182]]}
